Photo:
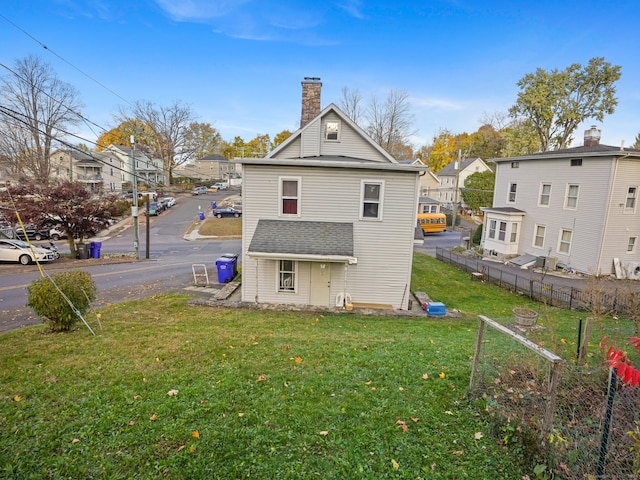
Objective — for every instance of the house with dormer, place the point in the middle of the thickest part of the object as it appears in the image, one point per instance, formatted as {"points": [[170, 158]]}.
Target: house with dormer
{"points": [[328, 216], [575, 208], [452, 179]]}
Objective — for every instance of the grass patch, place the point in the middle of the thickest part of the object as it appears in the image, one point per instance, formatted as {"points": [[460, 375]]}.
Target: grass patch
{"points": [[221, 227], [259, 394]]}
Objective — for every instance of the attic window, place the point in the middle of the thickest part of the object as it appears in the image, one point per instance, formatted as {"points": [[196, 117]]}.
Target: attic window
{"points": [[515, 164], [332, 129], [576, 162]]}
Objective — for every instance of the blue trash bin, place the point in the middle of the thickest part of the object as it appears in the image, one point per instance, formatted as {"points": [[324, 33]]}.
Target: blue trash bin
{"points": [[95, 249], [234, 257], [225, 269], [201, 215]]}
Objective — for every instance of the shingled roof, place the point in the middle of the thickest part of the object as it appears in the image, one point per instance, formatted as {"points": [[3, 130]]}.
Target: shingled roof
{"points": [[303, 239]]}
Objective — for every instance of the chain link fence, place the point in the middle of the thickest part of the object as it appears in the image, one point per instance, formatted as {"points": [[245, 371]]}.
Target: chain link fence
{"points": [[578, 421]]}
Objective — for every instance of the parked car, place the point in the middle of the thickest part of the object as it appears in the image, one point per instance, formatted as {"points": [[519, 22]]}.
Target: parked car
{"points": [[56, 233], [21, 252], [220, 186], [227, 212], [153, 209], [32, 233], [199, 191], [168, 202]]}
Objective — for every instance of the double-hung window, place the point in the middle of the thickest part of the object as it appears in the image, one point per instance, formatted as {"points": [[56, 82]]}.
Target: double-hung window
{"points": [[290, 196], [632, 193], [502, 232], [538, 239], [512, 192], [371, 196], [492, 229], [545, 195], [571, 202], [287, 276], [514, 233], [631, 245], [564, 242]]}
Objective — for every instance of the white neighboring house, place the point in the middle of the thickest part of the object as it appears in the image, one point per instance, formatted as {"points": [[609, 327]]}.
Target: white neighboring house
{"points": [[576, 208], [453, 177], [147, 170], [328, 216]]}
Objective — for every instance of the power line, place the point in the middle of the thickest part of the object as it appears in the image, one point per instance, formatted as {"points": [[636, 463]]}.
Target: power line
{"points": [[64, 60]]}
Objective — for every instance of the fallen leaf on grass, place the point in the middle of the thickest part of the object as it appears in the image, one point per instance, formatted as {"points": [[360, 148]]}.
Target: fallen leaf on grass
{"points": [[17, 398], [298, 360], [153, 417], [442, 375], [395, 464], [425, 376], [195, 434], [261, 378], [172, 393], [75, 440], [457, 452], [180, 447], [132, 423], [415, 419], [324, 433], [478, 435], [402, 424]]}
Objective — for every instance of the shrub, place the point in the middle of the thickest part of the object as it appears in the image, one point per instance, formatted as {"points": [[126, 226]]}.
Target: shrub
{"points": [[47, 301], [477, 236]]}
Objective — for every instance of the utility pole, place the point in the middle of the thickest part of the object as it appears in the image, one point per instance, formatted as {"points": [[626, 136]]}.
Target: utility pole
{"points": [[134, 209], [456, 166]]}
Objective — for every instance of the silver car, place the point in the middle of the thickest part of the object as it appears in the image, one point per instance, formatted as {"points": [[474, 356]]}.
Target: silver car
{"points": [[19, 251]]}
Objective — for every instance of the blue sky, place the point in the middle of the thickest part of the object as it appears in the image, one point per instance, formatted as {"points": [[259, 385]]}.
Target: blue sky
{"points": [[239, 63]]}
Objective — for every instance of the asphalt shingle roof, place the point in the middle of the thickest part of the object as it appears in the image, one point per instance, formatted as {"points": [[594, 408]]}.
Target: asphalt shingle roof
{"points": [[302, 238]]}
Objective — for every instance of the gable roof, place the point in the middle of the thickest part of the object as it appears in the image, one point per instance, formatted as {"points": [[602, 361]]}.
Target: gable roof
{"points": [[331, 108], [212, 158], [449, 168]]}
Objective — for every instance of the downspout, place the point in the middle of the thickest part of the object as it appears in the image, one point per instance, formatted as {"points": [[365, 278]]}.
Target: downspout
{"points": [[257, 281], [608, 213]]}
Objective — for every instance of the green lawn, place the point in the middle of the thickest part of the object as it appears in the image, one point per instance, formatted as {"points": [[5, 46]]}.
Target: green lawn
{"points": [[168, 390]]}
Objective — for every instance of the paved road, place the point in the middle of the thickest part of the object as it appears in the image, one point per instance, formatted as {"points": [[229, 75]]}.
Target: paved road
{"points": [[168, 269]]}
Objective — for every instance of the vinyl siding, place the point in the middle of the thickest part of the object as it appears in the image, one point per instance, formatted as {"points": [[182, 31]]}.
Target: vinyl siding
{"points": [[587, 221], [384, 249], [312, 143]]}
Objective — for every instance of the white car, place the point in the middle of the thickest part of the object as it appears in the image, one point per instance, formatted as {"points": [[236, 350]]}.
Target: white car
{"points": [[168, 202], [56, 234], [19, 251]]}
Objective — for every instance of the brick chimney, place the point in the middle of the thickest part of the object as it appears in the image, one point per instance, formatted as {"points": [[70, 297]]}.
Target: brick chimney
{"points": [[592, 137], [311, 87]]}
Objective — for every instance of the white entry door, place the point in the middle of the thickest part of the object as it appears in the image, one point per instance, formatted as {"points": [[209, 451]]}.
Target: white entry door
{"points": [[320, 288]]}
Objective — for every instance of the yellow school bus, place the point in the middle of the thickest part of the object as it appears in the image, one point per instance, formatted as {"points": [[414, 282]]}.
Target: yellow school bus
{"points": [[432, 222]]}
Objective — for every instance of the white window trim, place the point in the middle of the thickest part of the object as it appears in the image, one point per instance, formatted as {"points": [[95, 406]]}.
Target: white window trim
{"points": [[326, 131], [535, 235], [566, 196], [540, 204], [562, 230], [513, 235], [295, 278], [626, 199], [280, 196], [363, 183], [491, 231], [635, 245], [509, 192]]}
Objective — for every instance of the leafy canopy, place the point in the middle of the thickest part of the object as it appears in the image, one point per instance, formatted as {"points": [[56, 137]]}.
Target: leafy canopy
{"points": [[557, 102]]}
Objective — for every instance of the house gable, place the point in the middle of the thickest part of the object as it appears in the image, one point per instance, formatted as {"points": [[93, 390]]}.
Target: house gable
{"points": [[332, 133]]}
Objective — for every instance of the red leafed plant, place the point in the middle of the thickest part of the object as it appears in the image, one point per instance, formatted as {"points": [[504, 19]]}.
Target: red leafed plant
{"points": [[629, 374]]}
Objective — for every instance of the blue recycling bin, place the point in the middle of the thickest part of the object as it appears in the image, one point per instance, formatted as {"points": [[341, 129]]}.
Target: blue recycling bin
{"points": [[235, 261], [225, 269], [201, 215], [94, 249]]}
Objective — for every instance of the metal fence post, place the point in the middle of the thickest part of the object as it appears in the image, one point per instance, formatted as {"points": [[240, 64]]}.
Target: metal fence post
{"points": [[606, 428]]}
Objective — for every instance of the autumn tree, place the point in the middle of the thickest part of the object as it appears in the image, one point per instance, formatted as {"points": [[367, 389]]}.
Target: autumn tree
{"points": [[36, 108], [121, 135], [202, 139], [441, 151], [169, 126], [478, 190], [636, 144], [259, 146], [281, 137], [557, 102], [70, 206]]}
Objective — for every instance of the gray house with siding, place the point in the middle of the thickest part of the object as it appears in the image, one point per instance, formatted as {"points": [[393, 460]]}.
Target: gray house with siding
{"points": [[574, 208], [328, 216]]}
